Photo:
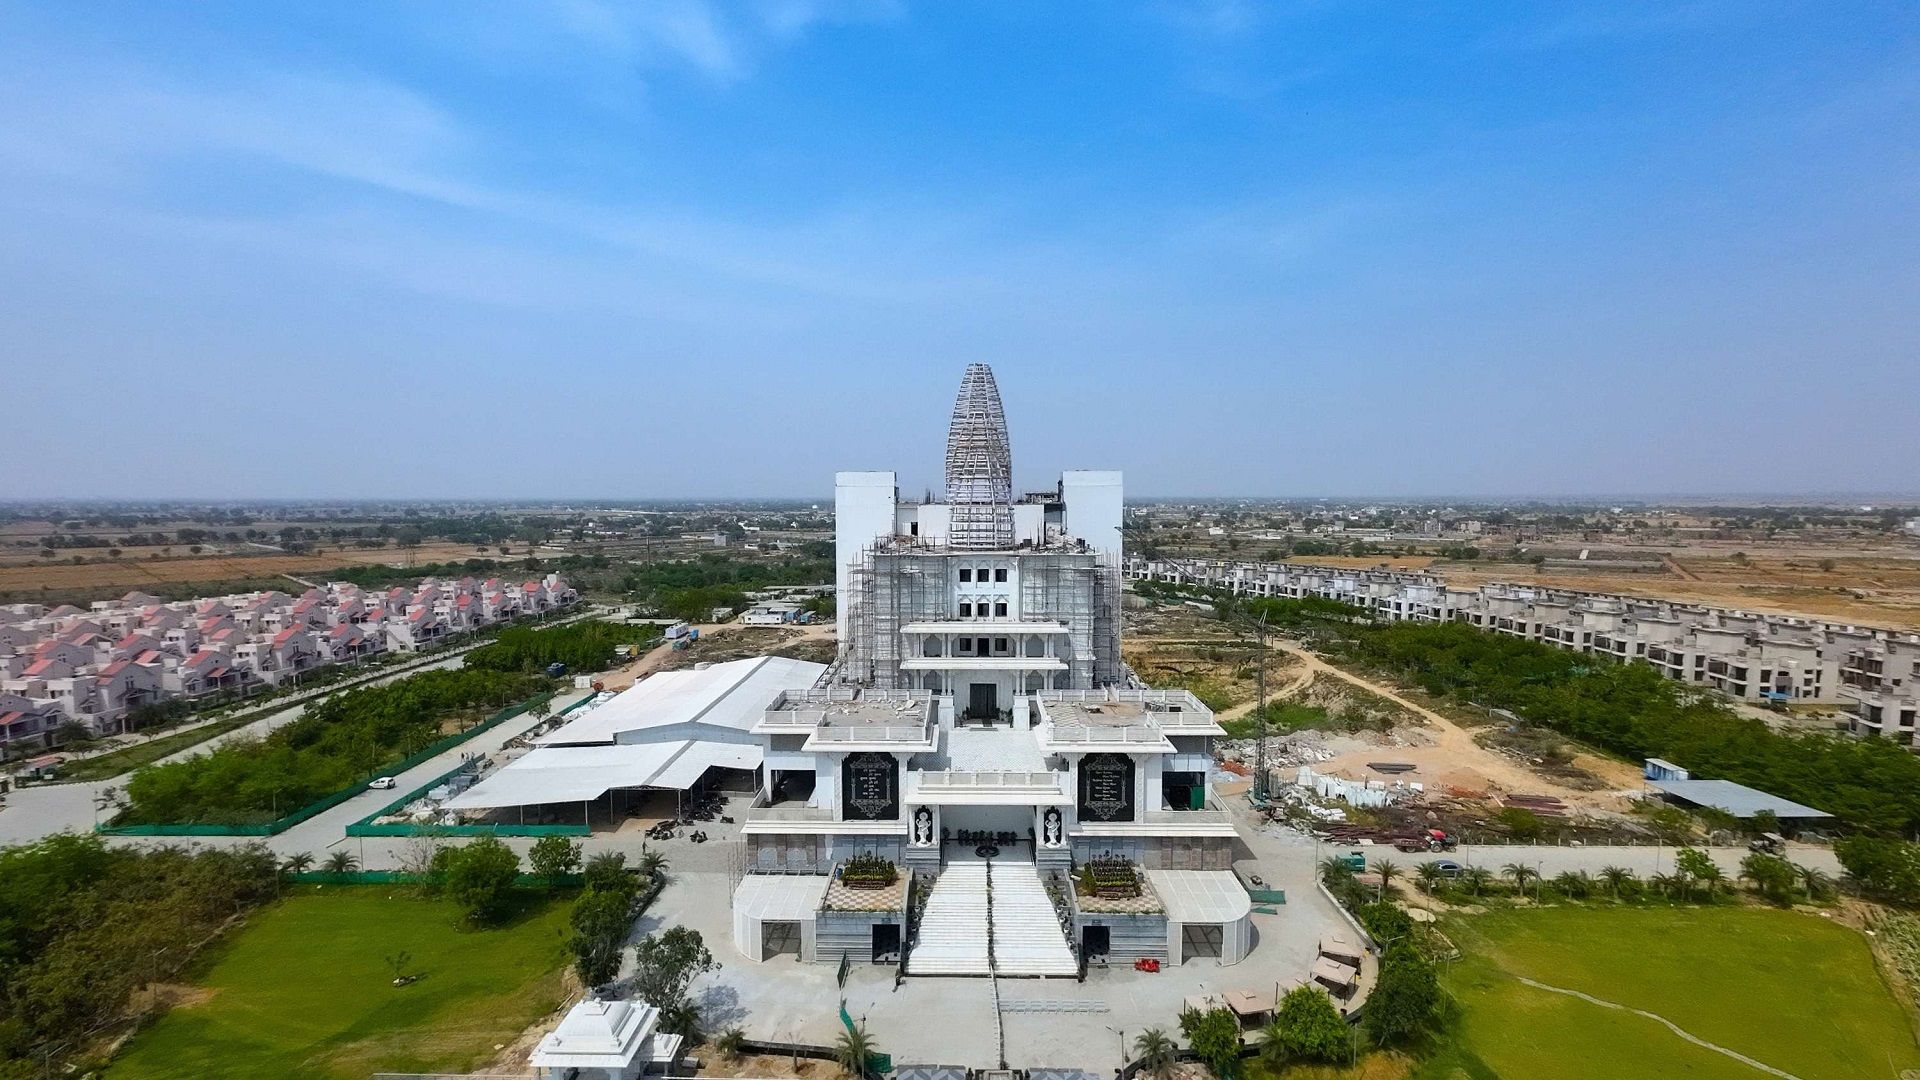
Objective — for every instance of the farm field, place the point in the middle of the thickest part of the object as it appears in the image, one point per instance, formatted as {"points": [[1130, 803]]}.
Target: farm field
{"points": [[134, 570], [1880, 591], [1793, 991], [304, 991]]}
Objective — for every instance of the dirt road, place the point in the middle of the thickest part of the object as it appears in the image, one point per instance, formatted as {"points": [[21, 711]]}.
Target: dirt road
{"points": [[1451, 757]]}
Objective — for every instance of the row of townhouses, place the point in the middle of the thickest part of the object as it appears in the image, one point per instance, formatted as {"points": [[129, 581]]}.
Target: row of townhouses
{"points": [[1751, 656], [93, 667]]}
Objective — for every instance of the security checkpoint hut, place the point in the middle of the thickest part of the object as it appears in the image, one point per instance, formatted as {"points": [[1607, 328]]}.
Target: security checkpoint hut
{"points": [[979, 732], [639, 752]]}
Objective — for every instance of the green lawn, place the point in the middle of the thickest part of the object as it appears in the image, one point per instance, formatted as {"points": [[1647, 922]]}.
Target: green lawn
{"points": [[303, 991], [1794, 991]]}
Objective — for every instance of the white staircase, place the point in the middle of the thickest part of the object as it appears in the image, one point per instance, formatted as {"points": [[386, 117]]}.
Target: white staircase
{"points": [[1027, 939], [953, 927]]}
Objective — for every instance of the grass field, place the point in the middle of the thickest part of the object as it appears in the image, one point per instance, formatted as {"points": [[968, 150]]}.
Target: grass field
{"points": [[1792, 991], [303, 992]]}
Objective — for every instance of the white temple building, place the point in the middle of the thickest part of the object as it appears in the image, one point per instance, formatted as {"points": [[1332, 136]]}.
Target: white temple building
{"points": [[979, 733]]}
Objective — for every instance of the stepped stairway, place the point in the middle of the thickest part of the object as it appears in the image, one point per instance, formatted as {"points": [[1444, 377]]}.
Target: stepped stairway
{"points": [[1027, 939], [952, 935]]}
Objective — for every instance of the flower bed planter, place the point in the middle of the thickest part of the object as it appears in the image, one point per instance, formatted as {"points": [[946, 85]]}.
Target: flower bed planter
{"points": [[869, 872], [1110, 879]]}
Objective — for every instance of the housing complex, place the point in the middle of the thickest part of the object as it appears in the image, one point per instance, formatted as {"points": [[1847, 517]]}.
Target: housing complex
{"points": [[1750, 656], [94, 666]]}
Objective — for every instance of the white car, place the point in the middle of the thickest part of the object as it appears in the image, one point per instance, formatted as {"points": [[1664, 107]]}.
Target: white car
{"points": [[383, 783]]}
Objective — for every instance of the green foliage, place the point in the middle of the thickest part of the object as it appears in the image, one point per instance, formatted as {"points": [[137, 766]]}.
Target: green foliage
{"points": [[1889, 869], [1772, 876], [607, 872], [1214, 1036], [82, 926], [665, 964], [336, 743], [600, 920], [1406, 1000], [1632, 710], [479, 877], [1520, 822], [869, 870], [554, 857], [1156, 1053], [1385, 921], [853, 1051], [583, 646], [1307, 1027]]}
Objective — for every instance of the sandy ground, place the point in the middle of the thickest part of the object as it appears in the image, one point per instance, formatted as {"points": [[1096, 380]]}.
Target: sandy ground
{"points": [[1445, 754], [653, 660]]}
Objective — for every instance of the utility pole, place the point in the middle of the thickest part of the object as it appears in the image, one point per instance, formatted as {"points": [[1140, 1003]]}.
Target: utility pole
{"points": [[1260, 714]]}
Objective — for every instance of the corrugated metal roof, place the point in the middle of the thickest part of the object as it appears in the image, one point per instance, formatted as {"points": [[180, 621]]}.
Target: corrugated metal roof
{"points": [[1737, 799]]}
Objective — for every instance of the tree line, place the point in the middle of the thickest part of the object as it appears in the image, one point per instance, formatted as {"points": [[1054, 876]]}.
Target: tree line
{"points": [[336, 743], [582, 646], [83, 927]]}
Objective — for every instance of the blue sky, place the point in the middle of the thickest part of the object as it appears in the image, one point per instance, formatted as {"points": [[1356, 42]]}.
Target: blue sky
{"points": [[681, 248]]}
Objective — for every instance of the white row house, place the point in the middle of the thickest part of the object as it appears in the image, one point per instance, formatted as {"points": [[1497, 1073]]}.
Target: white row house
{"points": [[1750, 656]]}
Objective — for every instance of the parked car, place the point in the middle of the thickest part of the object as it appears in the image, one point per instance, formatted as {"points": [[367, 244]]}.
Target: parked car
{"points": [[383, 783], [1448, 868]]}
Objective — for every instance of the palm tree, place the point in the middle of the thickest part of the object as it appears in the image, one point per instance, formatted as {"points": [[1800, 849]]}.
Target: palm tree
{"points": [[1429, 876], [1615, 876], [1333, 871], [1818, 885], [853, 1050], [298, 863], [1477, 878], [1156, 1052], [1574, 884], [1387, 871], [1666, 884], [1712, 879], [342, 862], [1519, 874], [651, 863], [731, 1043]]}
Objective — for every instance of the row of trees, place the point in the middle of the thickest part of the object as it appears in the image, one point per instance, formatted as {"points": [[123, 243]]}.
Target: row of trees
{"points": [[1695, 877], [83, 927], [337, 742], [582, 646]]}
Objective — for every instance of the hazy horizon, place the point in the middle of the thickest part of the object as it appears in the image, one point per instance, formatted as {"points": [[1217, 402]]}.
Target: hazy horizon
{"points": [[593, 251]]}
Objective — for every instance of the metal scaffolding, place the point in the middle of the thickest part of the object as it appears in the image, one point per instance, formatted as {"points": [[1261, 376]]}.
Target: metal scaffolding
{"points": [[899, 583], [979, 466]]}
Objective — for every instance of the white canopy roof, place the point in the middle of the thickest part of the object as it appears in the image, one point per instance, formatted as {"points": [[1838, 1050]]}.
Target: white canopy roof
{"points": [[780, 897], [1201, 896], [557, 774], [731, 696], [687, 766]]}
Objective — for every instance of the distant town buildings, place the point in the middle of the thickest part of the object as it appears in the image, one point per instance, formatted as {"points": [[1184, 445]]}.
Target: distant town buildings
{"points": [[94, 666], [1750, 656]]}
